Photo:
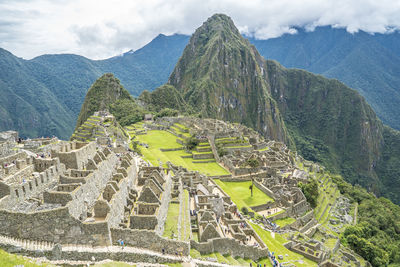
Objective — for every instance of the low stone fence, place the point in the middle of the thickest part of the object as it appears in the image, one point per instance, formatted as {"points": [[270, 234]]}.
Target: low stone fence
{"points": [[261, 207], [221, 177], [229, 246], [204, 161], [203, 156], [265, 190], [278, 216], [171, 149], [149, 240], [89, 254]]}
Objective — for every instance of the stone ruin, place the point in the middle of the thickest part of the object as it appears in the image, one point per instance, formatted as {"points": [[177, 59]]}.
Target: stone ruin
{"points": [[88, 193]]}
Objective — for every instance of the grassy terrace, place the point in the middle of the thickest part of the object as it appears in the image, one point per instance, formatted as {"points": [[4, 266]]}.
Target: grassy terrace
{"points": [[10, 260], [163, 139], [275, 244], [240, 193], [285, 221], [171, 223]]}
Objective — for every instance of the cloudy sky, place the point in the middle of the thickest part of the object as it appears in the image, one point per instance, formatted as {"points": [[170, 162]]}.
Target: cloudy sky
{"points": [[100, 29]]}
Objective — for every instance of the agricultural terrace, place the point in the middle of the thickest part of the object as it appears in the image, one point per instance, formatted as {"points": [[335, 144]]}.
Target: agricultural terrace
{"points": [[275, 241], [156, 140], [241, 195]]}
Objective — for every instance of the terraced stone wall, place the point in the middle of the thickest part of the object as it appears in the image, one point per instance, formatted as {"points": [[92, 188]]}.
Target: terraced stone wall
{"points": [[55, 225]]}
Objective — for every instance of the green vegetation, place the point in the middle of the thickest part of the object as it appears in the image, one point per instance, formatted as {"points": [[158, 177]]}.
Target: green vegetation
{"points": [[285, 221], [11, 260], [163, 97], [126, 111], [191, 143], [105, 91], [171, 223], [201, 88], [275, 244], [310, 191], [240, 193], [162, 139], [376, 237]]}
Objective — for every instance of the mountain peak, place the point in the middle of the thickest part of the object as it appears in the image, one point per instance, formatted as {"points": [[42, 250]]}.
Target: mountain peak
{"points": [[103, 92], [218, 25], [218, 72]]}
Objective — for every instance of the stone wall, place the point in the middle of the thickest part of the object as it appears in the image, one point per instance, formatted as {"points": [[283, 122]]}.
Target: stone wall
{"points": [[55, 225], [265, 190], [229, 246], [10, 158], [119, 199], [75, 155], [88, 193], [89, 255], [149, 240], [6, 148], [36, 184]]}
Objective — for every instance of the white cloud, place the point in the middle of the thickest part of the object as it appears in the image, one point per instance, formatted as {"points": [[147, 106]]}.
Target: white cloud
{"points": [[100, 29]]}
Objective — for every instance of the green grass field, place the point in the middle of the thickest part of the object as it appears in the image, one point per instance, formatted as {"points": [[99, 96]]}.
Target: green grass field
{"points": [[285, 221], [10, 260], [276, 245], [171, 223], [162, 139], [240, 193]]}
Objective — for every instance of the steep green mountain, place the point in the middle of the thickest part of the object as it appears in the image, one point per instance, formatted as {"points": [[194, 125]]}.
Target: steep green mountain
{"points": [[43, 96], [368, 63], [330, 122], [26, 104], [165, 96], [107, 93], [221, 75]]}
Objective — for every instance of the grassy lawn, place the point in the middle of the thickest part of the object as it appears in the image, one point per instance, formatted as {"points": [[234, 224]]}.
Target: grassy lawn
{"points": [[10, 260], [171, 223], [276, 245], [162, 139], [240, 193], [285, 221]]}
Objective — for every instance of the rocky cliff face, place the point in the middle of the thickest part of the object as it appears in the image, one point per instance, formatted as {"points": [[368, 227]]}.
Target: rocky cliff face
{"points": [[330, 122], [221, 75]]}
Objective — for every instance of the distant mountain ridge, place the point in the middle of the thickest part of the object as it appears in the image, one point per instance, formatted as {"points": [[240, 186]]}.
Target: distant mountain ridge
{"points": [[365, 62], [43, 96]]}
